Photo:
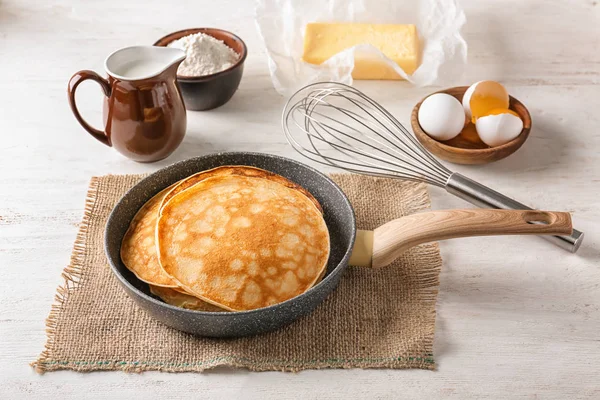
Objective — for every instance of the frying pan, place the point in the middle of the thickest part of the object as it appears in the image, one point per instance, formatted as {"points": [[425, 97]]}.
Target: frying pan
{"points": [[376, 249]]}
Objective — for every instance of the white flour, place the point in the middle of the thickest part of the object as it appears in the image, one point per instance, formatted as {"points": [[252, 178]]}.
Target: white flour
{"points": [[205, 55]]}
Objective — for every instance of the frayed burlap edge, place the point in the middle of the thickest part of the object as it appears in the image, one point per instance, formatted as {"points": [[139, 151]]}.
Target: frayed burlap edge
{"points": [[73, 273]]}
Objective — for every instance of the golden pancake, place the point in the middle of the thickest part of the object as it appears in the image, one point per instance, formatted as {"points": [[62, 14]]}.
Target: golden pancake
{"points": [[177, 298], [242, 238], [242, 170], [138, 249]]}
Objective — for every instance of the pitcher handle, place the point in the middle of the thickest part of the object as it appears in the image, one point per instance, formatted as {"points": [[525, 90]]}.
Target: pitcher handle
{"points": [[75, 80]]}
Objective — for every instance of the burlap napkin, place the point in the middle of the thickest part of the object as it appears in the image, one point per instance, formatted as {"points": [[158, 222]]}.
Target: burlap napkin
{"points": [[375, 319]]}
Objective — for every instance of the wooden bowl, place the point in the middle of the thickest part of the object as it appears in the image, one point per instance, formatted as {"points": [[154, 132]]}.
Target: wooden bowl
{"points": [[467, 147]]}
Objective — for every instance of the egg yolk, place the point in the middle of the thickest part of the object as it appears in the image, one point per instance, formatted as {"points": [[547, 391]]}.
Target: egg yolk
{"points": [[486, 97]]}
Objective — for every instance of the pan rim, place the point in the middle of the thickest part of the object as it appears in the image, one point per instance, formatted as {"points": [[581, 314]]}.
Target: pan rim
{"points": [[337, 269]]}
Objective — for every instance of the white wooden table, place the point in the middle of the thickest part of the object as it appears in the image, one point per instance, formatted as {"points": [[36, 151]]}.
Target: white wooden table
{"points": [[517, 317]]}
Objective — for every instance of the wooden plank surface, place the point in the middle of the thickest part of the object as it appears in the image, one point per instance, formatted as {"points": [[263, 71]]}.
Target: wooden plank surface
{"points": [[517, 317]]}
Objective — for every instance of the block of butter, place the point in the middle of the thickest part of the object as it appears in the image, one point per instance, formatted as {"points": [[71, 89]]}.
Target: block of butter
{"points": [[398, 42]]}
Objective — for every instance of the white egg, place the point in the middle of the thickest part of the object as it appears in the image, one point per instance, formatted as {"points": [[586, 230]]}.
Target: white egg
{"points": [[441, 116], [495, 130]]}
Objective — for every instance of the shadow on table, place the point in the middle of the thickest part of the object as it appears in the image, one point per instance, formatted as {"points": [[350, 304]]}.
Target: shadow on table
{"points": [[588, 251]]}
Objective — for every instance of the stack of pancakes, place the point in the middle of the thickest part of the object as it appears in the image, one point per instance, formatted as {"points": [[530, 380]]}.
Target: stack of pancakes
{"points": [[233, 238]]}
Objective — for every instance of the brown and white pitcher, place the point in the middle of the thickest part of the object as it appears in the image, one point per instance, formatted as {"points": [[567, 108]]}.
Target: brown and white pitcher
{"points": [[144, 115]]}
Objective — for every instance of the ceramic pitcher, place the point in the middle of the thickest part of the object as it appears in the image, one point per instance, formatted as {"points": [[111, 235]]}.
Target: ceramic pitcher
{"points": [[144, 114]]}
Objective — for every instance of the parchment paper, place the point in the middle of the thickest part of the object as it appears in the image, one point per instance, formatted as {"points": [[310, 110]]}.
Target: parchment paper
{"points": [[281, 24]]}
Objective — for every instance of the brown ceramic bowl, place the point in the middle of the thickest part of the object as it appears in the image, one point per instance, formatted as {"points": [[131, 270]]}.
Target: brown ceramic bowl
{"points": [[210, 91], [467, 148]]}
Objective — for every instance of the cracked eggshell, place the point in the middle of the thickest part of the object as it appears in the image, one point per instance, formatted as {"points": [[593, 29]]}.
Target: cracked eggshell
{"points": [[498, 129], [483, 96]]}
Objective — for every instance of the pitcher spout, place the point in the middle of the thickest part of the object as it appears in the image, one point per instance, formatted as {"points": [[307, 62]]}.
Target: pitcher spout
{"points": [[174, 54], [142, 62]]}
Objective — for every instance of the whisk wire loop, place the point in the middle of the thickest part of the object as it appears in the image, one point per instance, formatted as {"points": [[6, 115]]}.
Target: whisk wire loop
{"points": [[337, 125]]}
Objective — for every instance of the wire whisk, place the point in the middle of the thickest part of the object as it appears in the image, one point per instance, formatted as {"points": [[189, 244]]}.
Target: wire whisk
{"points": [[339, 126]]}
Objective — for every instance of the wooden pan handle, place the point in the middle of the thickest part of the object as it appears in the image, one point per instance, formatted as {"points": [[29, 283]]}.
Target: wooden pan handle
{"points": [[395, 237]]}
